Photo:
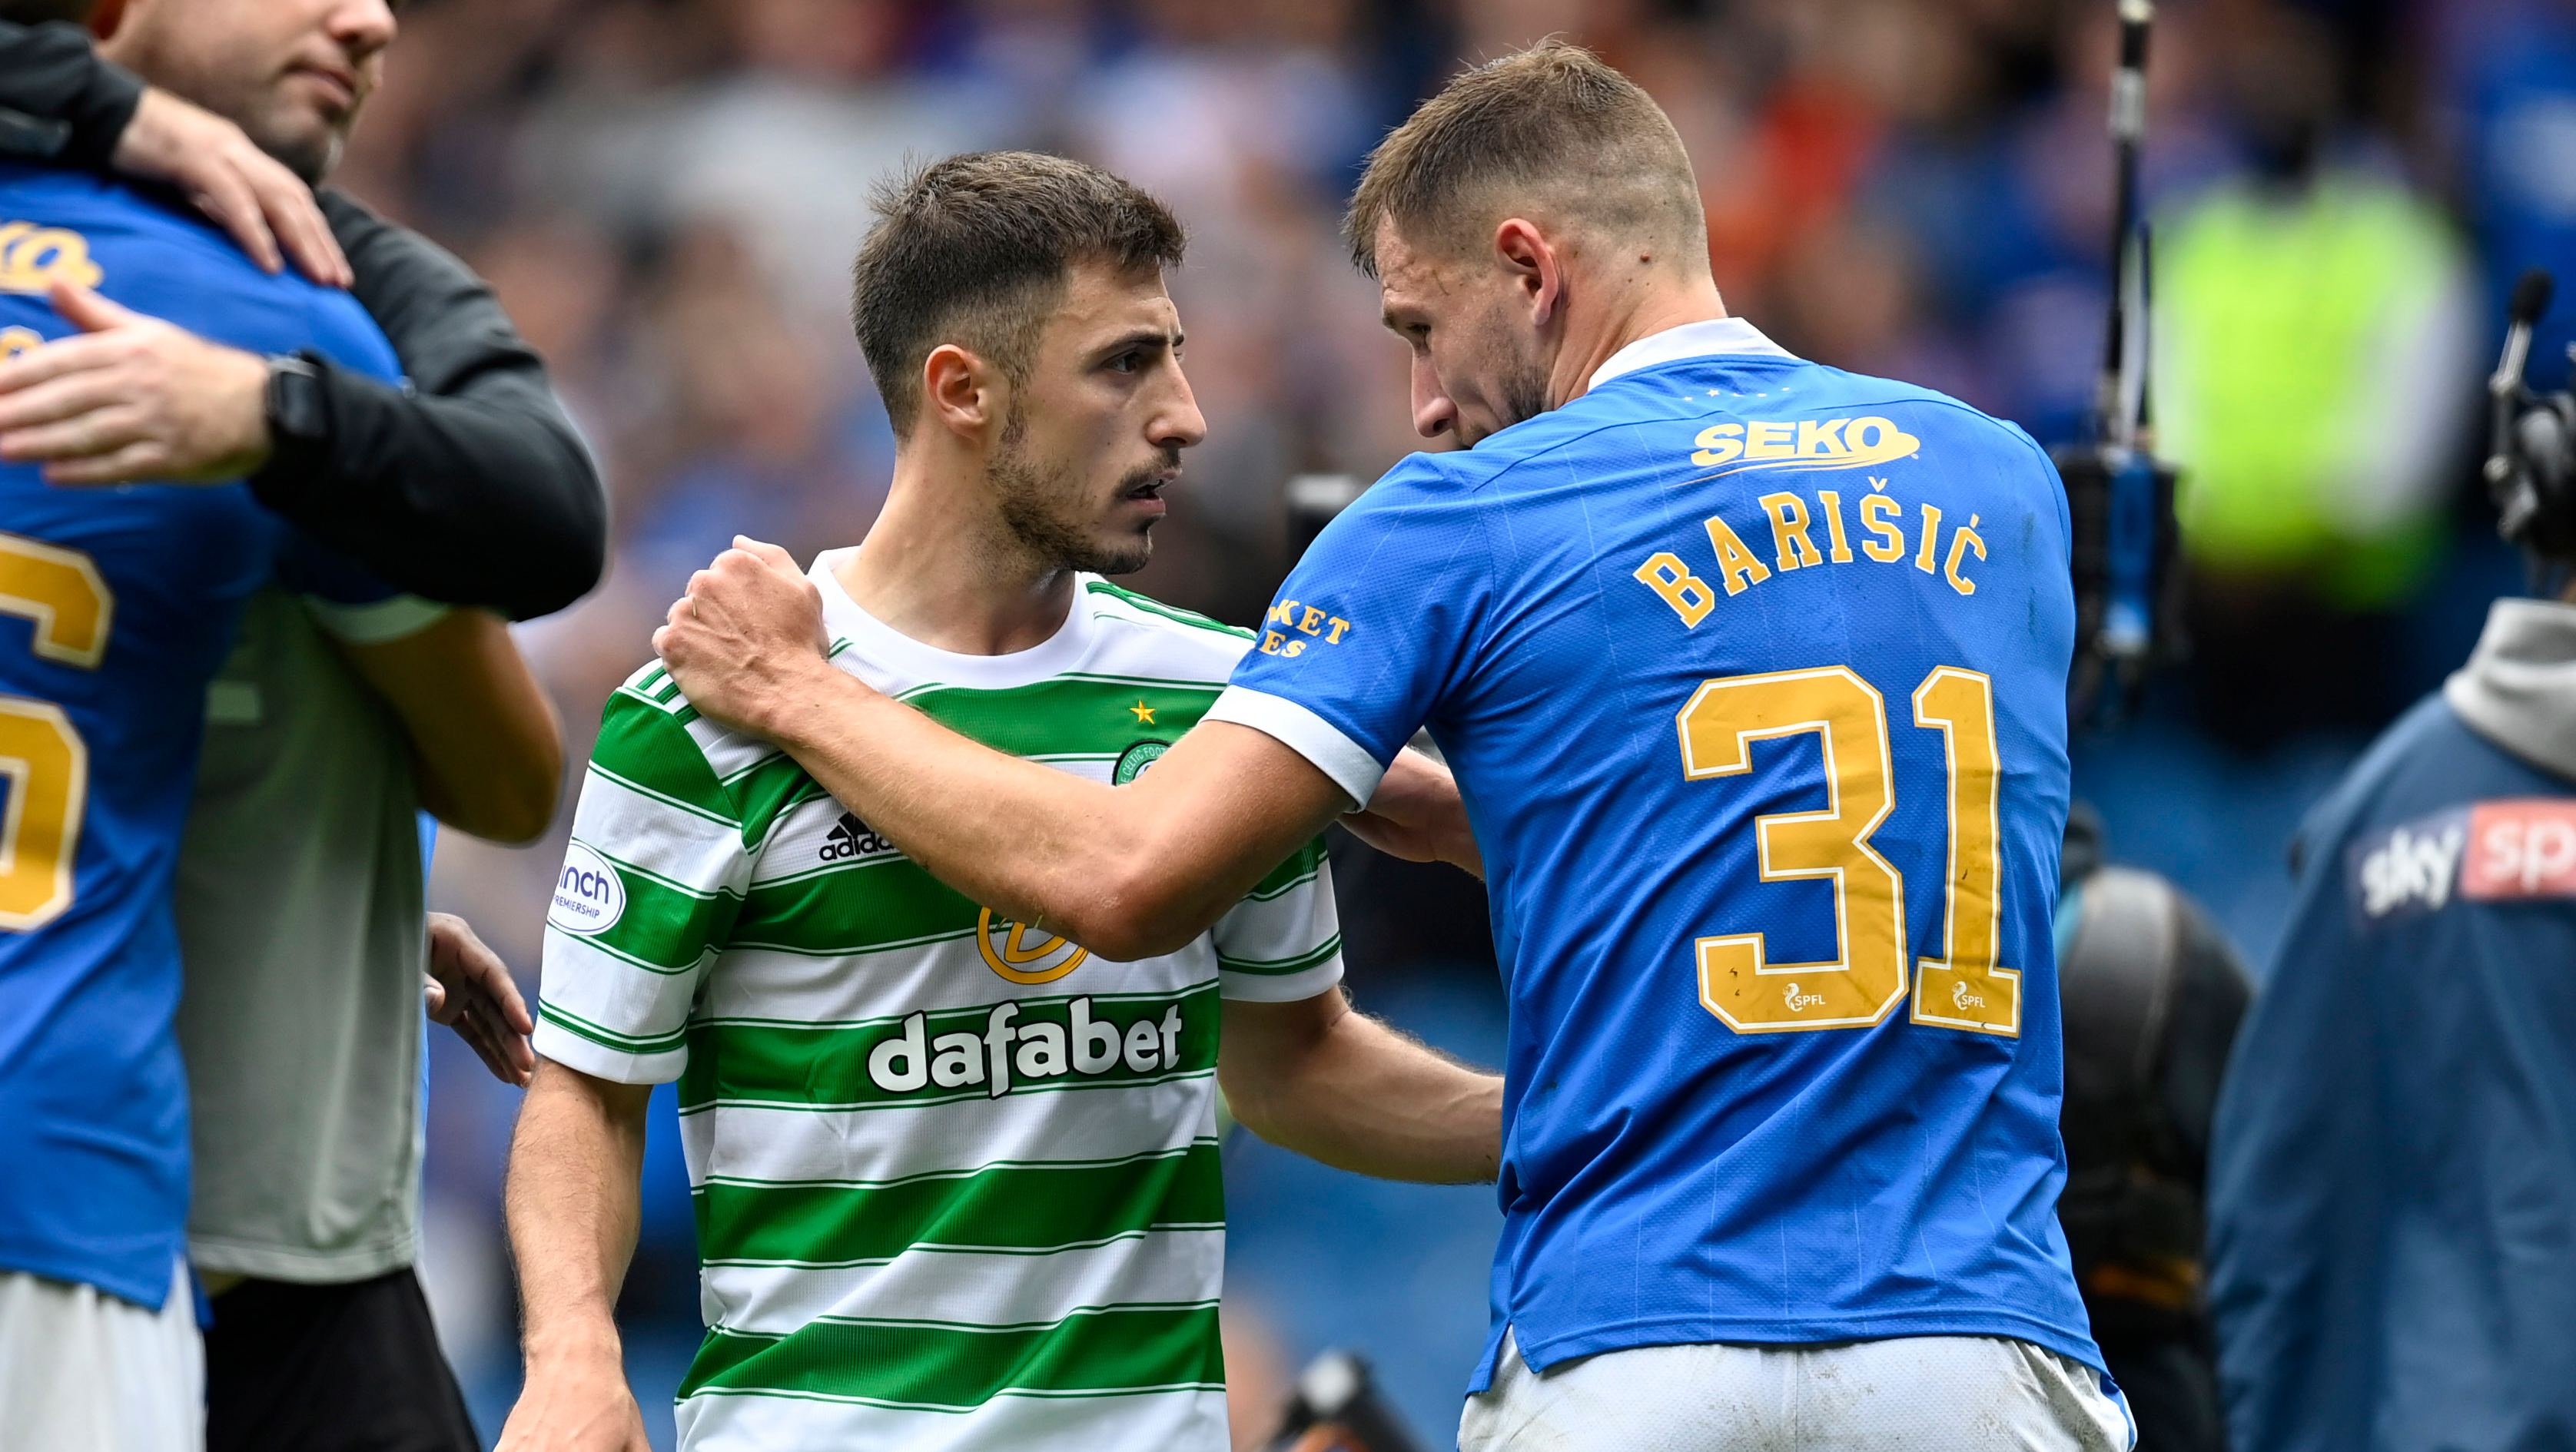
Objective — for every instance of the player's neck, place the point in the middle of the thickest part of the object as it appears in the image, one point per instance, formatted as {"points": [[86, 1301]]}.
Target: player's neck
{"points": [[1638, 306], [937, 567]]}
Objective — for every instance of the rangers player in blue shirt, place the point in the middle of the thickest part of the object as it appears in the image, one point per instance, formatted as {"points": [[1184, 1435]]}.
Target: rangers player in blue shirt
{"points": [[116, 608], [1752, 675]]}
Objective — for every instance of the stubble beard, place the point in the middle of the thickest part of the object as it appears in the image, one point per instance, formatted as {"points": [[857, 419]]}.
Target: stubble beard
{"points": [[1034, 503], [1524, 389], [1520, 385]]}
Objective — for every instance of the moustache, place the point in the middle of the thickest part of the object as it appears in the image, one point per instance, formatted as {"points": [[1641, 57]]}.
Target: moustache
{"points": [[1149, 481]]}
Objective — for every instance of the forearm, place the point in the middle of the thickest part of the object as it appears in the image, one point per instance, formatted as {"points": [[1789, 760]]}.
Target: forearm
{"points": [[1361, 1096], [484, 738], [475, 490], [576, 1163], [495, 773], [1093, 862], [455, 499], [1417, 815]]}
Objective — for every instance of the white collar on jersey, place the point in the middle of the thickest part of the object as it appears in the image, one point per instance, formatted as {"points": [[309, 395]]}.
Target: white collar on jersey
{"points": [[890, 649], [1690, 340]]}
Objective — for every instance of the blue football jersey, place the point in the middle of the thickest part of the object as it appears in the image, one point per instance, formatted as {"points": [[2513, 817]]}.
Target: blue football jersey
{"points": [[116, 608], [1752, 673]]}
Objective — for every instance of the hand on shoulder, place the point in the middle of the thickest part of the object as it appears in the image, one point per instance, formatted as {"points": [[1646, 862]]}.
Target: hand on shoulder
{"points": [[748, 631]]}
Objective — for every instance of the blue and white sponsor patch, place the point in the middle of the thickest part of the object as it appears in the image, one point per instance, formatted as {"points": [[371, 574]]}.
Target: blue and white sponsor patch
{"points": [[589, 896], [2410, 869]]}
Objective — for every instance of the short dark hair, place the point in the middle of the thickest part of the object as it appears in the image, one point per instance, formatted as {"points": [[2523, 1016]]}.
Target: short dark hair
{"points": [[973, 250], [1550, 124]]}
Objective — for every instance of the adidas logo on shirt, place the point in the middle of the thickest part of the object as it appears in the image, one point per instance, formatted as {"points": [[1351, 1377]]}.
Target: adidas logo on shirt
{"points": [[852, 838]]}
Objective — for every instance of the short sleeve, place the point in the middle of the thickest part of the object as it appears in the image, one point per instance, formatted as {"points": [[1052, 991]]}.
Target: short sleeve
{"points": [[392, 618], [648, 889], [1371, 630], [1283, 942]]}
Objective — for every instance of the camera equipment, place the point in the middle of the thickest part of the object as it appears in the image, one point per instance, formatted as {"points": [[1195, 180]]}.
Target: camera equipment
{"points": [[2531, 454], [2119, 496], [1336, 1408]]}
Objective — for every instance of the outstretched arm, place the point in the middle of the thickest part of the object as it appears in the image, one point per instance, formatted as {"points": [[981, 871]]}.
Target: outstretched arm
{"points": [[573, 1205], [1129, 872], [1329, 1082]]}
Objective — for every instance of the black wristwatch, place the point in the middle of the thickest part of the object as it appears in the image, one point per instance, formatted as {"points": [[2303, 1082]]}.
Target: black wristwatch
{"points": [[297, 414]]}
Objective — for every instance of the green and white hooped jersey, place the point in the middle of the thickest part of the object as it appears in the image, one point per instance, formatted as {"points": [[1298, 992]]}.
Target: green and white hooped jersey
{"points": [[956, 1180]]}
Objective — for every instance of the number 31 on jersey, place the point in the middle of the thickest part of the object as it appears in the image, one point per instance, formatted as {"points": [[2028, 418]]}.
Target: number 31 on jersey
{"points": [[1964, 988]]}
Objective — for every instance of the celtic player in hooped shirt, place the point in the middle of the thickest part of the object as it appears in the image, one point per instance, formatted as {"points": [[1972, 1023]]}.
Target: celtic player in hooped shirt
{"points": [[1752, 675], [956, 1176]]}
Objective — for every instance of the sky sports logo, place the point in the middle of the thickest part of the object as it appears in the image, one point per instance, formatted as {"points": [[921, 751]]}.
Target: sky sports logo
{"points": [[2503, 851]]}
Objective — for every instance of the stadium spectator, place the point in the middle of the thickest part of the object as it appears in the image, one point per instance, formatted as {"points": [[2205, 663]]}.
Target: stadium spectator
{"points": [[2315, 372]]}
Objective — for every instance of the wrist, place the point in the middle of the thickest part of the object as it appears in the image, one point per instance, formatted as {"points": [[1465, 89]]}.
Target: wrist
{"points": [[808, 698], [587, 1344], [292, 438]]}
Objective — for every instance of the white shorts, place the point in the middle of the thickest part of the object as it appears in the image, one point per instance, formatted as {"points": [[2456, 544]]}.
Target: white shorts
{"points": [[81, 1368], [1909, 1394]]}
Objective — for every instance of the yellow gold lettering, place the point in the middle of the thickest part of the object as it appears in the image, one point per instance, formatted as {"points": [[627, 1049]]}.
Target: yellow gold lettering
{"points": [[1736, 567], [1271, 641], [1818, 440], [1284, 613], [1770, 440], [1967, 987], [1341, 627], [1718, 444], [42, 754], [1830, 505], [1961, 541], [1884, 440], [1865, 979], [62, 592], [1789, 543], [1312, 622], [1931, 535], [1883, 517], [1688, 594], [31, 257]]}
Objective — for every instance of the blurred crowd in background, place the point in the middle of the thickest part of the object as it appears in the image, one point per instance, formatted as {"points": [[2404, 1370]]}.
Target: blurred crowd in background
{"points": [[667, 194]]}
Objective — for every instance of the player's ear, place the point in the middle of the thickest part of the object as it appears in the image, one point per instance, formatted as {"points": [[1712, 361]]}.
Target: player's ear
{"points": [[960, 391], [1536, 270]]}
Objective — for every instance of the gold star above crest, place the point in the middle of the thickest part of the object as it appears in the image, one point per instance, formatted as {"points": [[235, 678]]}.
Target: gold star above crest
{"points": [[1144, 713]]}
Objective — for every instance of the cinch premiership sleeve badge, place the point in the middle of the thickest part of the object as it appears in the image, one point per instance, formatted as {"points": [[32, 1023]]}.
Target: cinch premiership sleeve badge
{"points": [[588, 895]]}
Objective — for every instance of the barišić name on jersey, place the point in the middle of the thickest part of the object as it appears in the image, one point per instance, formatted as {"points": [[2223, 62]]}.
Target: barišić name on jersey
{"points": [[956, 1180]]}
